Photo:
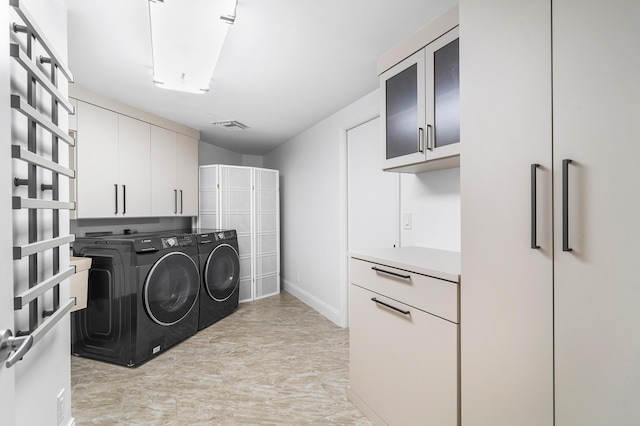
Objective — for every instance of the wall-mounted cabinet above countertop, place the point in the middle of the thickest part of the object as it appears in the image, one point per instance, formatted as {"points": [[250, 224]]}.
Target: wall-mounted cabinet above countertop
{"points": [[420, 99], [131, 163]]}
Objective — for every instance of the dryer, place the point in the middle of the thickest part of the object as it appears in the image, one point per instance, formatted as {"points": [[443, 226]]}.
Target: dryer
{"points": [[220, 274], [143, 294]]}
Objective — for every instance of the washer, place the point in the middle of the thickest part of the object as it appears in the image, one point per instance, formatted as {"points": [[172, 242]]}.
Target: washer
{"points": [[220, 274], [143, 296]]}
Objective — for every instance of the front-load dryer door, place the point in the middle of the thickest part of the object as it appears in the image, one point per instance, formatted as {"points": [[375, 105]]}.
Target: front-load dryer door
{"points": [[222, 272], [171, 288]]}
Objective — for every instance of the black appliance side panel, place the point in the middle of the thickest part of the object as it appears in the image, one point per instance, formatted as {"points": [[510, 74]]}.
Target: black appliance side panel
{"points": [[103, 330]]}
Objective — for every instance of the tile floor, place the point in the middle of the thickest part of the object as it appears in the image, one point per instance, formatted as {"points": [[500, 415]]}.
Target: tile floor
{"points": [[274, 361]]}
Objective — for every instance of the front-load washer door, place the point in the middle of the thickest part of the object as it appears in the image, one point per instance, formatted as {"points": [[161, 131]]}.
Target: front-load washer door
{"points": [[171, 288], [222, 272]]}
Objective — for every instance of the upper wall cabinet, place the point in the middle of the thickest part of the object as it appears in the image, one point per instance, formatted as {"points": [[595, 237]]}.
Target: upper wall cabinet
{"points": [[420, 99], [131, 163], [174, 174], [113, 164]]}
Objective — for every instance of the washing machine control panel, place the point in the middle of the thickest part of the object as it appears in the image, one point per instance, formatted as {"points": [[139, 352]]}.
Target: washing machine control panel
{"points": [[178, 241]]}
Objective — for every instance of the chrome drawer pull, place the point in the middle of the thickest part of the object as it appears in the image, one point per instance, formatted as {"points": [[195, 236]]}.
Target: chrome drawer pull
{"points": [[390, 307], [406, 277]]}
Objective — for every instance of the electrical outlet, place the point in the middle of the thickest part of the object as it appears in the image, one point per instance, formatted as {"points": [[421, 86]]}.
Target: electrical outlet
{"points": [[61, 406]]}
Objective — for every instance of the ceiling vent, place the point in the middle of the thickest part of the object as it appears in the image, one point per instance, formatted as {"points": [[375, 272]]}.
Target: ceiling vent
{"points": [[231, 125]]}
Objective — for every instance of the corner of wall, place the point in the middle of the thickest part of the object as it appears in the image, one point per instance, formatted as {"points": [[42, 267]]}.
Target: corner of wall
{"points": [[309, 299]]}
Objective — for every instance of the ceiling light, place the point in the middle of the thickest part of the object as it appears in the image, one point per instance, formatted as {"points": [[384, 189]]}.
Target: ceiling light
{"points": [[186, 40]]}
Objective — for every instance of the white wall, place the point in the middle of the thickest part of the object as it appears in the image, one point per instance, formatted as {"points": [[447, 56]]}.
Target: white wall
{"points": [[211, 154], [312, 198], [313, 209], [45, 369], [433, 199], [253, 160]]}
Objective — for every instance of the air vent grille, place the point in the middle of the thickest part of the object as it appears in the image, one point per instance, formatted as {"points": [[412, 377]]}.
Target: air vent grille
{"points": [[231, 125]]}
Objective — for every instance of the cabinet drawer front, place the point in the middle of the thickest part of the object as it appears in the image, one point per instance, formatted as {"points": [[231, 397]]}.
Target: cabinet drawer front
{"points": [[403, 366], [433, 295]]}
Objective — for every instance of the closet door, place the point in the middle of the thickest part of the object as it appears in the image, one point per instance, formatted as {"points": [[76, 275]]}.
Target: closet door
{"points": [[235, 213], [596, 106], [373, 196], [506, 291]]}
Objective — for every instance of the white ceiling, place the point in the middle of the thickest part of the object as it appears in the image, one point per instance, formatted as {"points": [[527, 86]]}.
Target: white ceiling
{"points": [[285, 64]]}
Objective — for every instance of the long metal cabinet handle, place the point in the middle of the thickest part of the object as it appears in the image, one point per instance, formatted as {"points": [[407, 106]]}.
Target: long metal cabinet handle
{"points": [[379, 302], [175, 201], [420, 139], [181, 198], [534, 207], [124, 199], [395, 274], [8, 344], [430, 140], [115, 185], [565, 205]]}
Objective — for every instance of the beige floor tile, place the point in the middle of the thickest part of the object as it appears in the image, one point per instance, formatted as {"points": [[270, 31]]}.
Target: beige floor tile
{"points": [[274, 361]]}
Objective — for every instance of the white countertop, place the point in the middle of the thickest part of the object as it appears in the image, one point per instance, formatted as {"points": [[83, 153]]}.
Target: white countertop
{"points": [[433, 262]]}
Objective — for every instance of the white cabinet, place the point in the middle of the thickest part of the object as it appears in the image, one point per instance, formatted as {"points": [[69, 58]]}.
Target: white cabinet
{"points": [[174, 173], [112, 164], [164, 194], [134, 163], [553, 331], [187, 174], [597, 285], [403, 342], [246, 199], [420, 103], [130, 163]]}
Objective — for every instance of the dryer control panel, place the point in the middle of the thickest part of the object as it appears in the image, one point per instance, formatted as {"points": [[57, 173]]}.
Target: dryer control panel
{"points": [[217, 235]]}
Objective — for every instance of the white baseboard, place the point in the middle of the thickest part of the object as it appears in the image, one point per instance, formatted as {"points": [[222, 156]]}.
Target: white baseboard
{"points": [[330, 312], [364, 408]]}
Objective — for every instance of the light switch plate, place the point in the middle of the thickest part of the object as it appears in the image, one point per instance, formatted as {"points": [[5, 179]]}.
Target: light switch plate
{"points": [[406, 221]]}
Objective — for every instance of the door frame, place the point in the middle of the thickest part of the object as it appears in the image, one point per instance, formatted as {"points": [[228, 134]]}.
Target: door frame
{"points": [[367, 115], [7, 375]]}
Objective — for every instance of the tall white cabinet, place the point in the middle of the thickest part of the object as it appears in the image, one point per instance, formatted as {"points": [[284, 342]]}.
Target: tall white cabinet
{"points": [[550, 295], [246, 199]]}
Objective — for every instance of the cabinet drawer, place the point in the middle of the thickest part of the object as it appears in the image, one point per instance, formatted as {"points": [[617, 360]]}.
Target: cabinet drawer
{"points": [[433, 295], [402, 366]]}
